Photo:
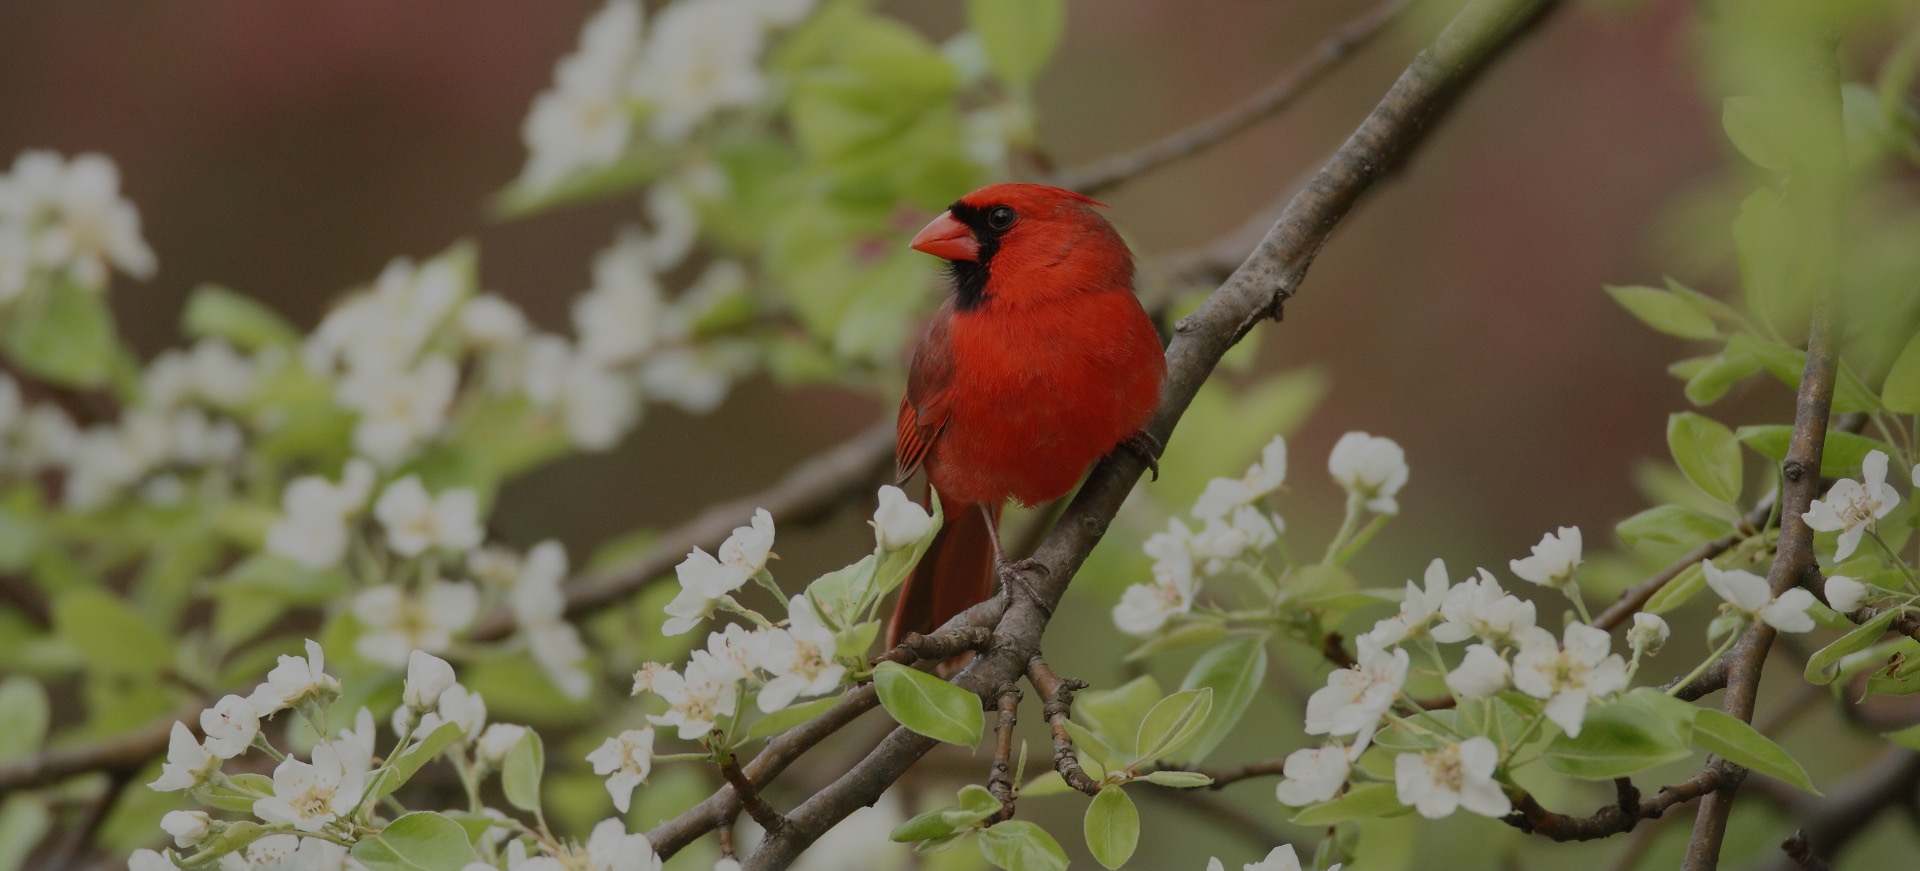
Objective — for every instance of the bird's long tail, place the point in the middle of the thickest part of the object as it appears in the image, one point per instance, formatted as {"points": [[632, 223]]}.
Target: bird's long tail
{"points": [[955, 574]]}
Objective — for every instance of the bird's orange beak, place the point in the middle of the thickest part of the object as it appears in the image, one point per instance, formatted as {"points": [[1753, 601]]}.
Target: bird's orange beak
{"points": [[947, 238]]}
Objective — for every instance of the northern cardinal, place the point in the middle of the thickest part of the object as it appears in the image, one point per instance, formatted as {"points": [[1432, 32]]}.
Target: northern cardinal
{"points": [[1041, 362]]}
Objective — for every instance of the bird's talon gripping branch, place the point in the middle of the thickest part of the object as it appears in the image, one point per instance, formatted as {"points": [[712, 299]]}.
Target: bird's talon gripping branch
{"points": [[1058, 693], [1147, 448], [1016, 573], [1000, 778]]}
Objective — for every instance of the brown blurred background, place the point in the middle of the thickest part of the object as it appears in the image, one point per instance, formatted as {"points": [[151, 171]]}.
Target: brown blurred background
{"points": [[288, 150]]}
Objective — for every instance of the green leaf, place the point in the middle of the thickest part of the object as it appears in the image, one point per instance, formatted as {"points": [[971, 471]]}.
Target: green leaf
{"points": [[1683, 587], [1754, 131], [789, 717], [1861, 638], [1842, 455], [1709, 378], [1908, 738], [1177, 779], [1095, 753], [1901, 392], [836, 594], [65, 335], [1669, 313], [416, 842], [894, 567], [975, 803], [1115, 714], [1706, 453], [1677, 716], [1233, 671], [520, 773], [1176, 720], [24, 820], [1190, 634], [214, 312], [1019, 35], [1615, 741], [1364, 801], [1112, 827], [1671, 525], [929, 705], [110, 635], [1732, 739], [1018, 845], [409, 761], [24, 714]]}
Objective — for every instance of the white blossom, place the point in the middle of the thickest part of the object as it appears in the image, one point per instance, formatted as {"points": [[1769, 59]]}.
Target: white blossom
{"points": [[1313, 774], [899, 522], [1418, 608], [497, 741], [1648, 635], [397, 625], [295, 680], [1568, 676], [708, 690], [695, 380], [1482, 673], [188, 828], [625, 761], [1554, 559], [492, 321], [1281, 858], [1354, 698], [79, 224], [584, 121], [188, 762], [464, 708], [538, 607], [313, 530], [1749, 594], [1845, 594], [705, 579], [310, 795], [416, 522], [800, 658], [1223, 540], [1372, 469], [1144, 608], [229, 726], [285, 852], [1223, 495], [675, 226], [619, 320], [428, 676], [611, 848], [400, 411], [1440, 781], [699, 58], [1478, 607], [1853, 508]]}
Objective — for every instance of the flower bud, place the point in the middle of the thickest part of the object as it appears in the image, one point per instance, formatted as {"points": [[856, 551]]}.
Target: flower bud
{"points": [[899, 522], [427, 677], [1649, 632], [498, 741], [188, 828], [1845, 594]]}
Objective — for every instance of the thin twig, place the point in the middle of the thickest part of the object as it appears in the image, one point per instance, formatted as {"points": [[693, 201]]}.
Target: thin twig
{"points": [[1000, 776], [1058, 692], [122, 753], [756, 804], [1793, 560], [1612, 819], [815, 487], [938, 647], [1268, 101]]}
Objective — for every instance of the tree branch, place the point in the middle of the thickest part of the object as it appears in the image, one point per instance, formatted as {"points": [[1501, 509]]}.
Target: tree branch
{"points": [[1000, 776], [1058, 695], [816, 486], [1255, 292], [1268, 101], [757, 806], [125, 753], [1793, 559]]}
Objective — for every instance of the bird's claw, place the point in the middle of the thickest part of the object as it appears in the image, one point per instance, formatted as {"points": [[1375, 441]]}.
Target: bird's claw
{"points": [[1015, 572], [1147, 448]]}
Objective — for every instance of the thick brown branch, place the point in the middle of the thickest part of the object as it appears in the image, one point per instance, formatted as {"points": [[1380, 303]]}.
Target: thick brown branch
{"points": [[816, 486], [1792, 562], [1469, 43], [1270, 100], [1058, 695], [1000, 776]]}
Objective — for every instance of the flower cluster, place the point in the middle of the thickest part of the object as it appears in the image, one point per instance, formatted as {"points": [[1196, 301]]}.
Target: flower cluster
{"points": [[314, 811], [65, 221]]}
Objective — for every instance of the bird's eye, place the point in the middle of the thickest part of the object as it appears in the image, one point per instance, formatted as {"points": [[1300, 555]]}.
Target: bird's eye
{"points": [[1000, 218]]}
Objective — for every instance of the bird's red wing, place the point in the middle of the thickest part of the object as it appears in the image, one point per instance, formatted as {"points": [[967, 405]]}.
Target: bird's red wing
{"points": [[924, 409]]}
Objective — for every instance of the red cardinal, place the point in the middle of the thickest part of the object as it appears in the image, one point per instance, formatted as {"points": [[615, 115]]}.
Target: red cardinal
{"points": [[1040, 363]]}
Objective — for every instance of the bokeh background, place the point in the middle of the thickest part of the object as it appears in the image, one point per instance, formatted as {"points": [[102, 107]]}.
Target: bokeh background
{"points": [[288, 150]]}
